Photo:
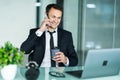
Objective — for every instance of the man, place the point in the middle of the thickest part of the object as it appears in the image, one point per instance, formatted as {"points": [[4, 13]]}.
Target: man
{"points": [[38, 41]]}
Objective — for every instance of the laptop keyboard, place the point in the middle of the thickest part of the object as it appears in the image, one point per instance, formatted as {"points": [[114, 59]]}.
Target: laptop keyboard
{"points": [[76, 73]]}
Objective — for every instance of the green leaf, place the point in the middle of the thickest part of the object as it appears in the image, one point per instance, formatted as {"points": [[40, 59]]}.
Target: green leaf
{"points": [[10, 55]]}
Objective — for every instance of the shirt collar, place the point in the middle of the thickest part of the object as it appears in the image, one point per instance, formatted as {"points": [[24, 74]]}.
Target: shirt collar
{"points": [[54, 30]]}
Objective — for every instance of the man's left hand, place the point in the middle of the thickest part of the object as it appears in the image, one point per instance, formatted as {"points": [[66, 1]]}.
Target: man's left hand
{"points": [[60, 58]]}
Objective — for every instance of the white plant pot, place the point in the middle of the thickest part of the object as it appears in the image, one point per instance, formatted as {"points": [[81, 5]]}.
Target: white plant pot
{"points": [[9, 72]]}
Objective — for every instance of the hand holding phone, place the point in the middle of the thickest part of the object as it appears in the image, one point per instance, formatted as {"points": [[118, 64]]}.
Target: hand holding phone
{"points": [[45, 24]]}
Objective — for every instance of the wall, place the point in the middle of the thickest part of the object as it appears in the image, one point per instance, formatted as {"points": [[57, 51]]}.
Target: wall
{"points": [[16, 18], [70, 19]]}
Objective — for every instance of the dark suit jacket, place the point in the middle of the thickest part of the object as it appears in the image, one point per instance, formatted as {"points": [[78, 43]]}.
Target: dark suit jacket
{"points": [[36, 45]]}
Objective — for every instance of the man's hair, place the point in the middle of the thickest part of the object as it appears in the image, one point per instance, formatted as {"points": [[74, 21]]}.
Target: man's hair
{"points": [[55, 6]]}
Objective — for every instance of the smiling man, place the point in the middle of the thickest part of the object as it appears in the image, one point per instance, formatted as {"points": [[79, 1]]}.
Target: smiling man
{"points": [[41, 41]]}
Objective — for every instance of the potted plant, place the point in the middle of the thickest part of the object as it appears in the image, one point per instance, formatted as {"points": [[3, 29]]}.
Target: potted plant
{"points": [[10, 57]]}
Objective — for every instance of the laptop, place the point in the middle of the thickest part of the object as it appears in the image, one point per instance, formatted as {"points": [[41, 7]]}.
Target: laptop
{"points": [[99, 63]]}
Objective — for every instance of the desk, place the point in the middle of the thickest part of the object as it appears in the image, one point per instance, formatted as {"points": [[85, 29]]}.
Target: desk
{"points": [[44, 74]]}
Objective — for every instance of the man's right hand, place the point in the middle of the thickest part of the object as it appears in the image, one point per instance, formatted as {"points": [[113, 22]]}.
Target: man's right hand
{"points": [[45, 24]]}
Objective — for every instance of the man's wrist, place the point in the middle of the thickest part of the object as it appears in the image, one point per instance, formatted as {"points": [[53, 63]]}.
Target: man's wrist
{"points": [[67, 62], [38, 33]]}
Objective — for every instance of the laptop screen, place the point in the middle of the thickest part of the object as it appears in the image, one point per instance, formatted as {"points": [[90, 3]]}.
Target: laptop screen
{"points": [[102, 62]]}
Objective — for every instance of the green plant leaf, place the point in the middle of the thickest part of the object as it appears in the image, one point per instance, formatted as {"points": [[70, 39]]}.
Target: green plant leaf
{"points": [[10, 55]]}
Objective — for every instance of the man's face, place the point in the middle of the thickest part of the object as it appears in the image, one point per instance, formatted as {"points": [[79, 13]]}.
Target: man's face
{"points": [[55, 17]]}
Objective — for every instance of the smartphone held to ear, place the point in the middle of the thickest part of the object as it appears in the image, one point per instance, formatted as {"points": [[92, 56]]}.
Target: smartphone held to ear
{"points": [[48, 23]]}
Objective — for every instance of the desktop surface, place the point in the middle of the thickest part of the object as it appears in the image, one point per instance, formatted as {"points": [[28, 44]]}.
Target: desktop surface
{"points": [[43, 74]]}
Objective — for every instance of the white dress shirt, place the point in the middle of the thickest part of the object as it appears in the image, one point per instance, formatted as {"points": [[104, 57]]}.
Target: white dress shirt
{"points": [[47, 59]]}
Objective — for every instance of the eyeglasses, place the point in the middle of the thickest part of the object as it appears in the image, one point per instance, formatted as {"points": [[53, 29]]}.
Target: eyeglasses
{"points": [[56, 74]]}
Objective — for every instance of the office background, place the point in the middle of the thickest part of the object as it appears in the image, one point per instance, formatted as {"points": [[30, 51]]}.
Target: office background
{"points": [[93, 23]]}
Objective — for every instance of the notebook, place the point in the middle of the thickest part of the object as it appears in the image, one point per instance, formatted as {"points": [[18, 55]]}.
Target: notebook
{"points": [[99, 63]]}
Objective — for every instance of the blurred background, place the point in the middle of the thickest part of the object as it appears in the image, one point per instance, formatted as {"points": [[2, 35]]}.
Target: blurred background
{"points": [[94, 23]]}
